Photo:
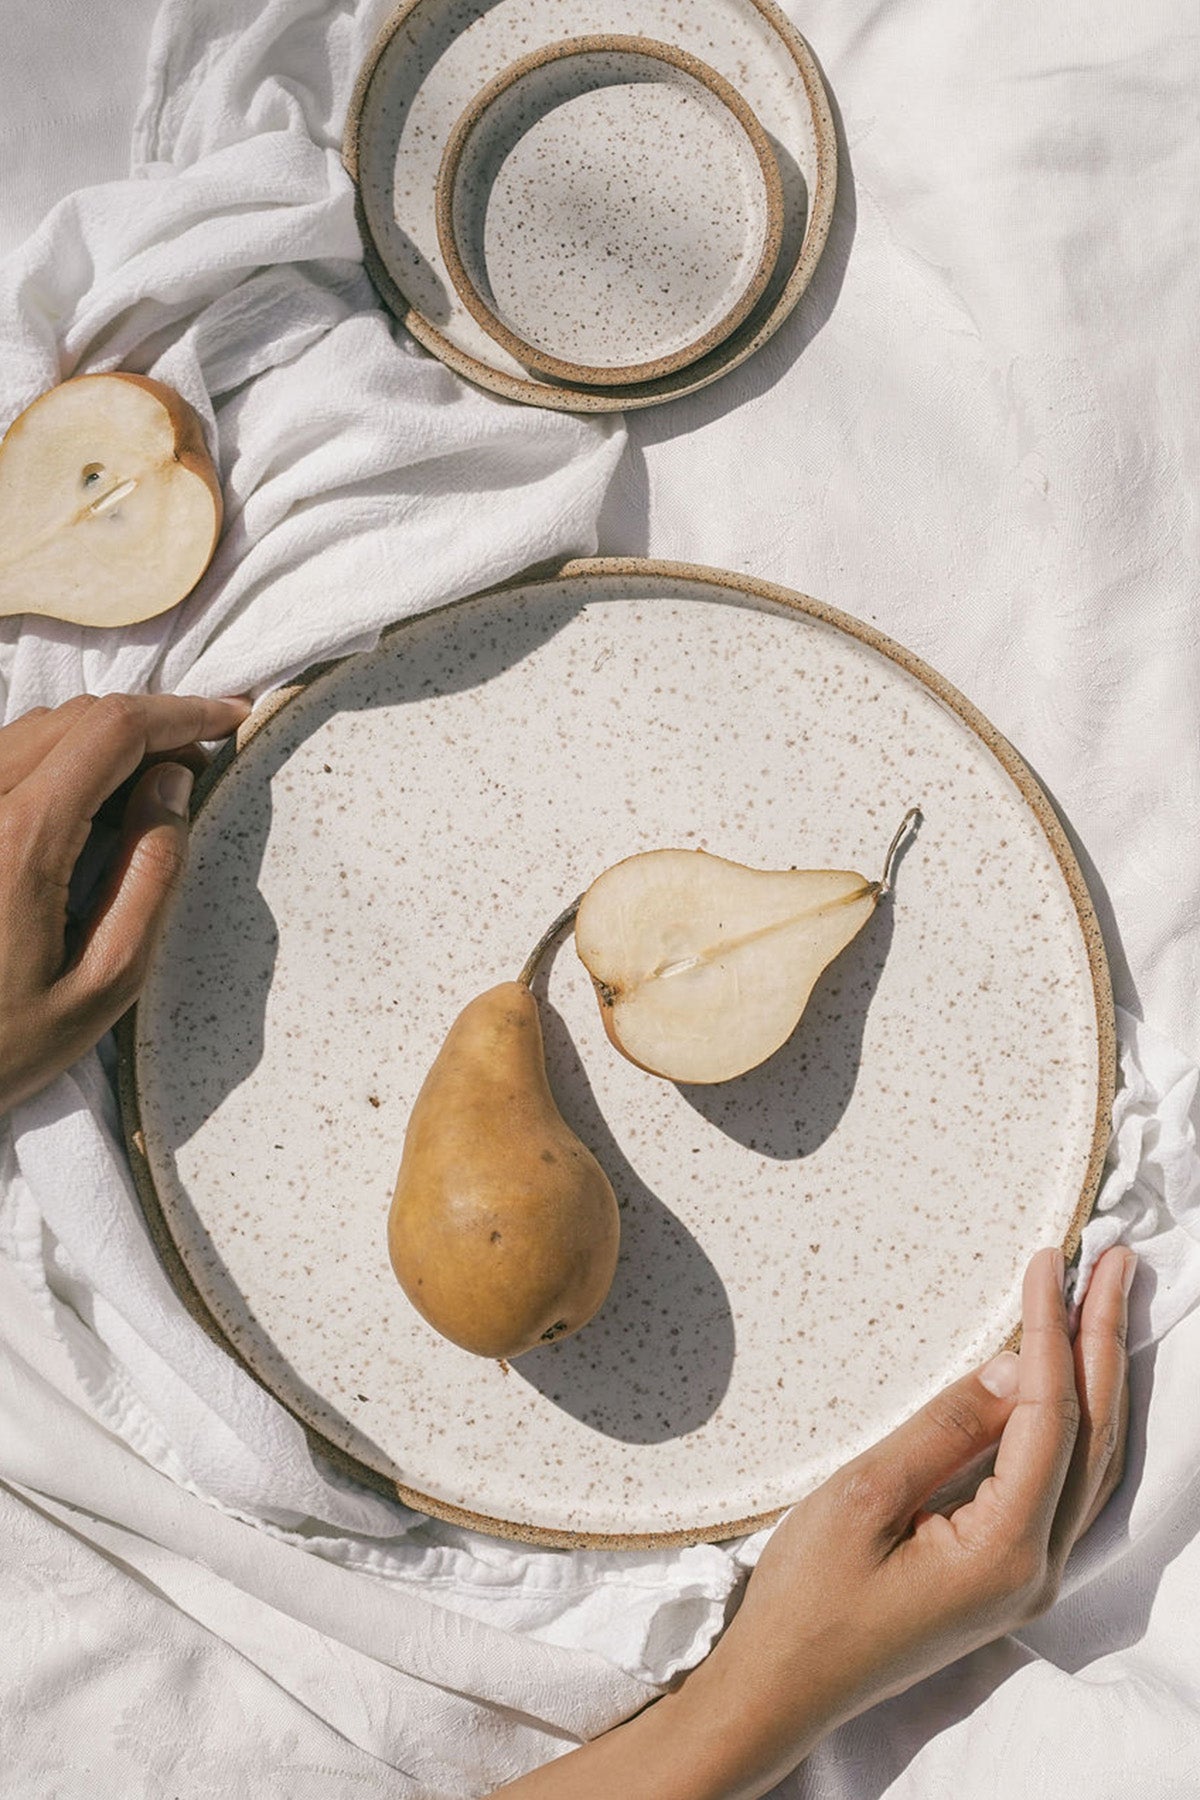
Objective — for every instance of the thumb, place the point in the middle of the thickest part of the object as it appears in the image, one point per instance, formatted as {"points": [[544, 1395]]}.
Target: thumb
{"points": [[938, 1442], [130, 916]]}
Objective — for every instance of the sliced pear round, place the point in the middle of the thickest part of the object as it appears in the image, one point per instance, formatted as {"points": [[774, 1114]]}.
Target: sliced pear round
{"points": [[110, 507], [703, 967]]}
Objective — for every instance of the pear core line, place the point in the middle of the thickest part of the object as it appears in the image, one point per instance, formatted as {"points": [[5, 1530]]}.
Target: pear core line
{"points": [[97, 509], [727, 945]]}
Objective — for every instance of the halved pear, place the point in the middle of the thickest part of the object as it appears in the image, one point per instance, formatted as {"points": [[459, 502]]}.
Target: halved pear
{"points": [[703, 967], [110, 507]]}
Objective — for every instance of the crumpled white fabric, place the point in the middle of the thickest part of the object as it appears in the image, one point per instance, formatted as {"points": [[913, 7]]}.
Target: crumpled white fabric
{"points": [[1150, 1195]]}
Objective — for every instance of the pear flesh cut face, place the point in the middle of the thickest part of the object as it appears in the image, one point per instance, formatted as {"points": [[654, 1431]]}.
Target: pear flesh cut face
{"points": [[702, 967], [110, 507]]}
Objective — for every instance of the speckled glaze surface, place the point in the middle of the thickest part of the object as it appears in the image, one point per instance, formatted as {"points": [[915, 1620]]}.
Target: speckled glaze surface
{"points": [[609, 209], [809, 1252], [435, 56]]}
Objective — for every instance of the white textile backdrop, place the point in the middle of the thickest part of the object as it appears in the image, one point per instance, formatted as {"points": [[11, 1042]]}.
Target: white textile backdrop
{"points": [[979, 431]]}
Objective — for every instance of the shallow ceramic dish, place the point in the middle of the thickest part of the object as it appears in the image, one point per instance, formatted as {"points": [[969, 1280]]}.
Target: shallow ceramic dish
{"points": [[609, 209], [809, 1252], [434, 56]]}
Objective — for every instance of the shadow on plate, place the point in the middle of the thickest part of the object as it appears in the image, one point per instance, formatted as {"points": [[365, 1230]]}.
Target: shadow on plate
{"points": [[789, 1105], [656, 1360], [240, 937]]}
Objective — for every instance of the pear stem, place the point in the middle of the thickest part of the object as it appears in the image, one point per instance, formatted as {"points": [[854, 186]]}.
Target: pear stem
{"points": [[911, 819], [547, 938]]}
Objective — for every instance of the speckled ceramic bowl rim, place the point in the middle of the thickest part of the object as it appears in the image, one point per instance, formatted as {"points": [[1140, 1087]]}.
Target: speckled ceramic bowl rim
{"points": [[475, 118], [745, 586], [821, 196]]}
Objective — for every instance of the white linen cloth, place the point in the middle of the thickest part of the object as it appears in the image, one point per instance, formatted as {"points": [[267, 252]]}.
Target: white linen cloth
{"points": [[365, 482]]}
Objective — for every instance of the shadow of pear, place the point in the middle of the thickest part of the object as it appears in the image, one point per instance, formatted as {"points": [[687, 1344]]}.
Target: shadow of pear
{"points": [[789, 1105], [229, 926], [656, 1360]]}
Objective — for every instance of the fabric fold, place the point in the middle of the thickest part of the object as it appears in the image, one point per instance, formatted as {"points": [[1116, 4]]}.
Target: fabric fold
{"points": [[148, 1475]]}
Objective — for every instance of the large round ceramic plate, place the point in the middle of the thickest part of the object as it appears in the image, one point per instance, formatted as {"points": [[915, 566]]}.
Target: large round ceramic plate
{"points": [[435, 56], [808, 1252]]}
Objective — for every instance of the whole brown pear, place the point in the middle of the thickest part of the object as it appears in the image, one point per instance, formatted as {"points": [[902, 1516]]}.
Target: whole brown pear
{"points": [[503, 1229]]}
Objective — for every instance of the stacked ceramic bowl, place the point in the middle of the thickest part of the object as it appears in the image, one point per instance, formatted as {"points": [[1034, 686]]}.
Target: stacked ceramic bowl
{"points": [[609, 209], [604, 219]]}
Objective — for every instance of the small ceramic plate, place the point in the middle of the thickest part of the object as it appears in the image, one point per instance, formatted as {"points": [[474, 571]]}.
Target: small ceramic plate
{"points": [[432, 60], [809, 1252], [609, 209]]}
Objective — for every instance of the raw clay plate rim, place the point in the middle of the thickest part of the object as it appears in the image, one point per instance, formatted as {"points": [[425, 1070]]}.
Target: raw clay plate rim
{"points": [[564, 397], [480, 118], [584, 569]]}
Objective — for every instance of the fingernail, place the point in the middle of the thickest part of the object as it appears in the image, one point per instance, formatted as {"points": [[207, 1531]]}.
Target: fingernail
{"points": [[1129, 1271], [1060, 1267], [1000, 1376], [173, 787]]}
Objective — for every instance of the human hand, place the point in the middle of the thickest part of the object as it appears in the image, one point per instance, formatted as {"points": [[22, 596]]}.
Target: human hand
{"points": [[862, 1591], [58, 769]]}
